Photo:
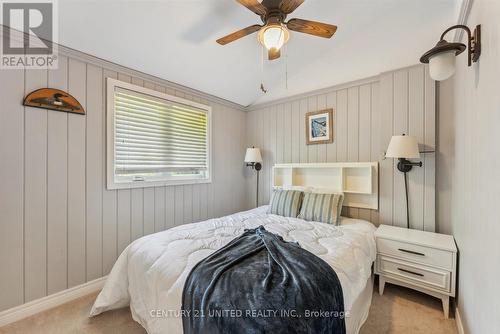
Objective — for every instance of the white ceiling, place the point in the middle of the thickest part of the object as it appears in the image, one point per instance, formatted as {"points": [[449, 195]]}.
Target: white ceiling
{"points": [[175, 40]]}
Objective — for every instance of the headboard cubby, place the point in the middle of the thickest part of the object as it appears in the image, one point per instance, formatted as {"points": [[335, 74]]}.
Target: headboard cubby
{"points": [[357, 180]]}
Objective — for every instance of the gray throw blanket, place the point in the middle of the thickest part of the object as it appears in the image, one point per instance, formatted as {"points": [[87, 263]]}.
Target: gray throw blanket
{"points": [[259, 283]]}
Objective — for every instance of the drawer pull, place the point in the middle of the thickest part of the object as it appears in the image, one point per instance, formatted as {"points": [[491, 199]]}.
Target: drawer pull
{"points": [[411, 272], [411, 252]]}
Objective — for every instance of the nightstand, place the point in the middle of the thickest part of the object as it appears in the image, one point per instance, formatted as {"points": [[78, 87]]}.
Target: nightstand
{"points": [[418, 260]]}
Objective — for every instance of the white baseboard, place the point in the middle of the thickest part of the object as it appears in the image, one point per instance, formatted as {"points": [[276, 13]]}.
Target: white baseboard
{"points": [[48, 302], [458, 319]]}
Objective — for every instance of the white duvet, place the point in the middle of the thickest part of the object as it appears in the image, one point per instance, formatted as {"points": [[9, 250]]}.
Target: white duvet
{"points": [[150, 273]]}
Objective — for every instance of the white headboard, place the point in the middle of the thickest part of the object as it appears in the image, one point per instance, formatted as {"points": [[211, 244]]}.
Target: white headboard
{"points": [[357, 180]]}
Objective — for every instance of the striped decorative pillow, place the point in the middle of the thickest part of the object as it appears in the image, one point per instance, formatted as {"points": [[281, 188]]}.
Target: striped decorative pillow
{"points": [[323, 208], [285, 202]]}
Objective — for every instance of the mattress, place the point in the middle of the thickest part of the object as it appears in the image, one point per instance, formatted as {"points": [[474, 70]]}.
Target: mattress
{"points": [[150, 273]]}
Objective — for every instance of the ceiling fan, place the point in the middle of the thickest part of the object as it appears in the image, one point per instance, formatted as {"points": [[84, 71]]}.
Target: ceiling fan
{"points": [[274, 33]]}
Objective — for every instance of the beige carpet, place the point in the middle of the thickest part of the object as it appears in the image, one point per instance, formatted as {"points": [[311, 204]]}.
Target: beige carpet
{"points": [[399, 310]]}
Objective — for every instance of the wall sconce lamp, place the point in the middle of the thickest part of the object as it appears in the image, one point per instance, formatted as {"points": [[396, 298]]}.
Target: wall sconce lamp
{"points": [[253, 159], [441, 58], [404, 148]]}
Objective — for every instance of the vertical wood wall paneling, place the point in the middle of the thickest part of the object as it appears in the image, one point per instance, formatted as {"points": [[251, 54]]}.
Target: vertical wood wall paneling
{"points": [[57, 186], [76, 176], [400, 126], [138, 227], [270, 142], [295, 140], [12, 190], [416, 113], [322, 149], [364, 135], [280, 133], [353, 134], [287, 136], [251, 125], [35, 192], [241, 155], [312, 150], [303, 147], [109, 199], [149, 210], [342, 125], [386, 165], [353, 124], [95, 178], [331, 149], [366, 116], [429, 159], [376, 153]]}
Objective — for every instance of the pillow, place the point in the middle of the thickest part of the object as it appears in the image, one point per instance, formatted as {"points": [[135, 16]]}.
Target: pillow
{"points": [[341, 199], [317, 190], [285, 203], [323, 208]]}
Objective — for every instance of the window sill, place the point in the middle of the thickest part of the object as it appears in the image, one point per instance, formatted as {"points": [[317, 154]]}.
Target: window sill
{"points": [[148, 184]]}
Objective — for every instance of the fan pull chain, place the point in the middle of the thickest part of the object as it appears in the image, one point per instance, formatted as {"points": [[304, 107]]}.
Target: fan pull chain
{"points": [[286, 66], [262, 88]]}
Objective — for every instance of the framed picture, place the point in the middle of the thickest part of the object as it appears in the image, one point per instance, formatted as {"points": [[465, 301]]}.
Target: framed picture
{"points": [[319, 127]]}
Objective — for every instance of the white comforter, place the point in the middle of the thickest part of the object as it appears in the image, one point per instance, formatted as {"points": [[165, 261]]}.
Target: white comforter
{"points": [[150, 273]]}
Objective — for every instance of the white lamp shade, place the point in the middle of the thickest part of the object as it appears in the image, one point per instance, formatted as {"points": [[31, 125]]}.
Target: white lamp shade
{"points": [[253, 155], [403, 147], [442, 65], [273, 36]]}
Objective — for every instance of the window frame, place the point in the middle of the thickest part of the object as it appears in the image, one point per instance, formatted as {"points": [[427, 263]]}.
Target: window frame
{"points": [[112, 184]]}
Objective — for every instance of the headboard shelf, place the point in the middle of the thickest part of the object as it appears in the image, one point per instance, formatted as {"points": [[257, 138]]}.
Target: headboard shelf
{"points": [[357, 180]]}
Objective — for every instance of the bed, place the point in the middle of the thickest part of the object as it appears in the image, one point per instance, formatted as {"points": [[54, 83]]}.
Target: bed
{"points": [[150, 273]]}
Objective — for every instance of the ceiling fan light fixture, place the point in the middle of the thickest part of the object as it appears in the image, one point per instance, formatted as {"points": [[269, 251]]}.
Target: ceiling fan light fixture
{"points": [[273, 36]]}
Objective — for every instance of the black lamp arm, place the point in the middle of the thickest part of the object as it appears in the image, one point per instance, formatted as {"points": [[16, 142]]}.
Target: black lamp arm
{"points": [[255, 165], [473, 42], [405, 165], [458, 26], [419, 164]]}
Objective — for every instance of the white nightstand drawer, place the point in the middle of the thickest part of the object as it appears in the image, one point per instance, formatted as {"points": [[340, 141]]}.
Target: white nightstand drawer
{"points": [[421, 254], [417, 274]]}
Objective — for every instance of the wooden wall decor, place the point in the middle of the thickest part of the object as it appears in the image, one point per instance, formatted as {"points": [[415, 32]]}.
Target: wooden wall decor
{"points": [[53, 99]]}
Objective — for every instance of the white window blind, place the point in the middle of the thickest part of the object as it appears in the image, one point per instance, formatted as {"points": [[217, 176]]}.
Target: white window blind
{"points": [[158, 138]]}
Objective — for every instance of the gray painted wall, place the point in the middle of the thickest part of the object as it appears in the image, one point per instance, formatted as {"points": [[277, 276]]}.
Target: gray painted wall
{"points": [[59, 225], [469, 177], [367, 114]]}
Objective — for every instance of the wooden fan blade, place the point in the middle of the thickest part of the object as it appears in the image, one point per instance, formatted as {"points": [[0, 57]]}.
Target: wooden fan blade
{"points": [[312, 28], [274, 53], [271, 4], [288, 6], [254, 6], [238, 34]]}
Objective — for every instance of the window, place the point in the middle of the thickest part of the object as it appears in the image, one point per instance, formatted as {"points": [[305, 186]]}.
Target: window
{"points": [[154, 138]]}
